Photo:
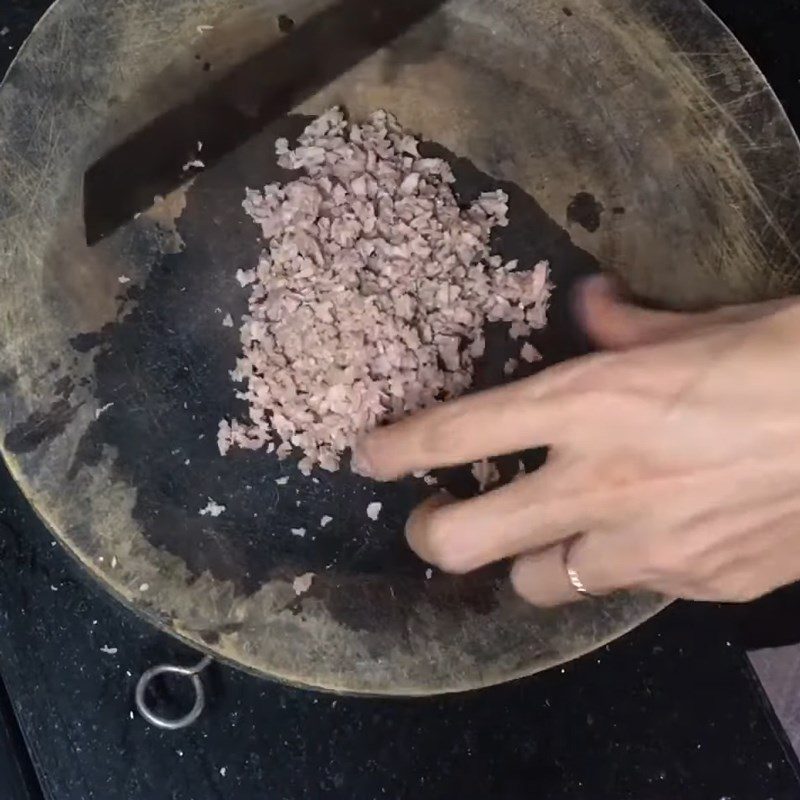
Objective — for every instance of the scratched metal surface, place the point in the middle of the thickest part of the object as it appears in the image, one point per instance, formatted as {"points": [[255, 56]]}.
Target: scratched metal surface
{"points": [[648, 111]]}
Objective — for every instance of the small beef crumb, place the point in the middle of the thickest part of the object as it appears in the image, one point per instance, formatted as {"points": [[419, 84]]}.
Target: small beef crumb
{"points": [[510, 367], [370, 298], [302, 583], [212, 509], [485, 473], [529, 353]]}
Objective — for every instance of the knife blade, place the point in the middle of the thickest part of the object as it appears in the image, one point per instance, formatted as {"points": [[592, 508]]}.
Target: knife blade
{"points": [[263, 88]]}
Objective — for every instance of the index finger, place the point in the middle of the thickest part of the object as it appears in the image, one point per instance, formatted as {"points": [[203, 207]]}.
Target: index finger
{"points": [[495, 422]]}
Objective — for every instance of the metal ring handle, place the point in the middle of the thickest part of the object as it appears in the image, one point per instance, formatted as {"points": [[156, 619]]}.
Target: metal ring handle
{"points": [[193, 673]]}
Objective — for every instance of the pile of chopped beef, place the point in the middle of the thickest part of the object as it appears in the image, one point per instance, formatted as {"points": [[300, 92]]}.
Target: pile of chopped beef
{"points": [[370, 298]]}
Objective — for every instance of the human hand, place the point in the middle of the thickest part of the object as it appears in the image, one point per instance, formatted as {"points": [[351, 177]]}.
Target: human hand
{"points": [[675, 453]]}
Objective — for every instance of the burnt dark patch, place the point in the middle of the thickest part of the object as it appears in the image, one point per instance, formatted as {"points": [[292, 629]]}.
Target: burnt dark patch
{"points": [[165, 366], [585, 210], [85, 342], [211, 636], [618, 210], [568, 12], [40, 427], [64, 387], [285, 23], [88, 452]]}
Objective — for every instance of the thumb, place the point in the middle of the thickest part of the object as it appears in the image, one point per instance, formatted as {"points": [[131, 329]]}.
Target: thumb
{"points": [[614, 324]]}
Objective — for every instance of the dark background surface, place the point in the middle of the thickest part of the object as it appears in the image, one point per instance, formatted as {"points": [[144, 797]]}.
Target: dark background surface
{"points": [[671, 711]]}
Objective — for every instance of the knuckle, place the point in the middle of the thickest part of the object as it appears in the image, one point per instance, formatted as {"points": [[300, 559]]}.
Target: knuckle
{"points": [[607, 402], [676, 561], [747, 595], [444, 431], [723, 587], [621, 475], [705, 592], [739, 590], [666, 560]]}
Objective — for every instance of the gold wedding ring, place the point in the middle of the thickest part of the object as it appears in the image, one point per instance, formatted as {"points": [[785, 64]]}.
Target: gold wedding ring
{"points": [[574, 578]]}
